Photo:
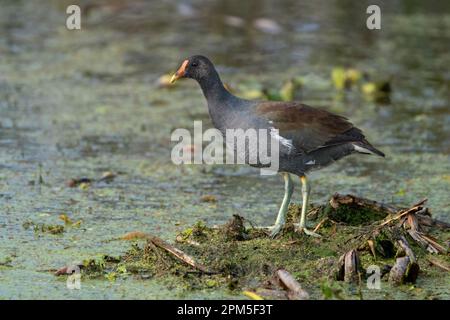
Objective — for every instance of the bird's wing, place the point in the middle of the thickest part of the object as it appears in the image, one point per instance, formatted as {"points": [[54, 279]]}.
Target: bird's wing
{"points": [[306, 128]]}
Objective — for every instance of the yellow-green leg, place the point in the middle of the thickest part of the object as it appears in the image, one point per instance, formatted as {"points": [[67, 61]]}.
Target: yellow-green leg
{"points": [[305, 198], [281, 218]]}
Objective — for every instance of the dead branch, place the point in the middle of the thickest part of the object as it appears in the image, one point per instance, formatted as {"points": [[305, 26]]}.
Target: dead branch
{"points": [[320, 224], [413, 209], [430, 222], [404, 245], [349, 267], [439, 264], [398, 271], [415, 235], [433, 243], [413, 222], [295, 290], [160, 243], [372, 248]]}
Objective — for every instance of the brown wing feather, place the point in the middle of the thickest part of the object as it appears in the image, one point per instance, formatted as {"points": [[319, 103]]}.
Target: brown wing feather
{"points": [[308, 128]]}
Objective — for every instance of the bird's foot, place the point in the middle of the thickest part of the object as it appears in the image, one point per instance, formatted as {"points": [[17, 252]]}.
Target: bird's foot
{"points": [[299, 228], [273, 230]]}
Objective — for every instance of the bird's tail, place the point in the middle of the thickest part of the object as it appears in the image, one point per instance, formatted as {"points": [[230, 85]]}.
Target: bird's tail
{"points": [[366, 148]]}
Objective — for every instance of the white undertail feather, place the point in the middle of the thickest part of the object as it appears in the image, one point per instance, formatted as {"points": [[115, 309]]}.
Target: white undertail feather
{"points": [[362, 150]]}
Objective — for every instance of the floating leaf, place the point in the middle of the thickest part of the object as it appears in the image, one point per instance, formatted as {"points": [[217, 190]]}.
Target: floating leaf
{"points": [[338, 77], [369, 88], [252, 295]]}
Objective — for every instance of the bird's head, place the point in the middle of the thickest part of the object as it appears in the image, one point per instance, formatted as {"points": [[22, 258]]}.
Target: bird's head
{"points": [[195, 67]]}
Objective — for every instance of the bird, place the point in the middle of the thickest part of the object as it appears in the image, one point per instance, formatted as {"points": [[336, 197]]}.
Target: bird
{"points": [[309, 138]]}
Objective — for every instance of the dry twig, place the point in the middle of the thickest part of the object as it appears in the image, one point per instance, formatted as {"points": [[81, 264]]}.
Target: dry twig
{"points": [[295, 290]]}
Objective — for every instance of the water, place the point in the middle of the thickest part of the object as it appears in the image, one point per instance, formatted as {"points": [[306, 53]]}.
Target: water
{"points": [[79, 103]]}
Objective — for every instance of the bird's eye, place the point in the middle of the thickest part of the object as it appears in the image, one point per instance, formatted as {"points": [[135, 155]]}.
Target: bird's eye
{"points": [[194, 64]]}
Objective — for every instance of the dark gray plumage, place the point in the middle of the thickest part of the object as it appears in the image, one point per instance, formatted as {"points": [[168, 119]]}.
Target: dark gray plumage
{"points": [[309, 138]]}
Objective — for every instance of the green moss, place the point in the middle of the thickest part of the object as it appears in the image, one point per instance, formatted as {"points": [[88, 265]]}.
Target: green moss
{"points": [[352, 215], [242, 257]]}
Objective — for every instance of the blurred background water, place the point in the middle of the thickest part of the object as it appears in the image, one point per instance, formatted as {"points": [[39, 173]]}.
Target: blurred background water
{"points": [[78, 103]]}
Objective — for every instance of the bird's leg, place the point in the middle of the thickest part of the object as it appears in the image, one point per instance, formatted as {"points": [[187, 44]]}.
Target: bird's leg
{"points": [[281, 218], [305, 195]]}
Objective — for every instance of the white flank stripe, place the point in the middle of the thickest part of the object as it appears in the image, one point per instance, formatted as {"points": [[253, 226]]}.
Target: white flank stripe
{"points": [[286, 142]]}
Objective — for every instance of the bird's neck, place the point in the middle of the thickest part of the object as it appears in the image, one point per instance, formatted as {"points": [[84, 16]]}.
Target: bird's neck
{"points": [[221, 103], [214, 90]]}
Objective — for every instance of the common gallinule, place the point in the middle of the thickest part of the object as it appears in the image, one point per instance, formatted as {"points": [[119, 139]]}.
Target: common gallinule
{"points": [[309, 138]]}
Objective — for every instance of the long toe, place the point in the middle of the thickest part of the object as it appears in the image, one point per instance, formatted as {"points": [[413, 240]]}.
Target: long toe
{"points": [[275, 231], [299, 228], [311, 233], [272, 230]]}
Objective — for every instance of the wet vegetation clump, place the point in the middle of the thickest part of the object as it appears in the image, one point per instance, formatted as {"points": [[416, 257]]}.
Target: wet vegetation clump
{"points": [[360, 238], [43, 228]]}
